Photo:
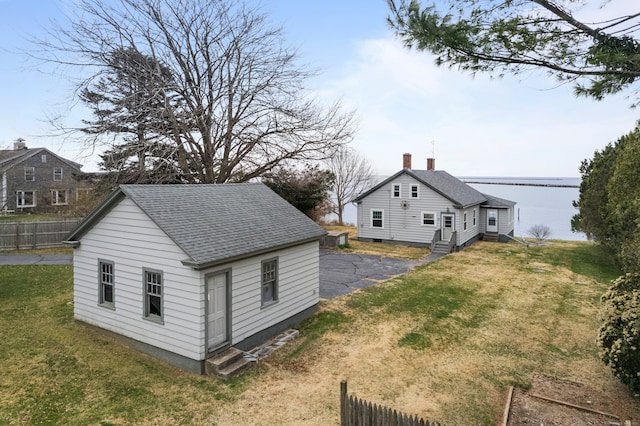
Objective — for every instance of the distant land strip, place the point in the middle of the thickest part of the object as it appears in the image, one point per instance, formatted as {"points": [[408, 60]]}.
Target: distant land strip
{"points": [[551, 185]]}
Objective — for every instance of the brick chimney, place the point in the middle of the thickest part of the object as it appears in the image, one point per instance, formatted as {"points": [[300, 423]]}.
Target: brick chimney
{"points": [[406, 161], [431, 163]]}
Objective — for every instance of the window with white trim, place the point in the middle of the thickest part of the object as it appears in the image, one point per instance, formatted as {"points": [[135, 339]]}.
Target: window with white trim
{"points": [[396, 190], [106, 284], [44, 158], [269, 281], [57, 173], [464, 221], [29, 174], [25, 198], [428, 218], [473, 218], [59, 197], [153, 295], [377, 218], [414, 191]]}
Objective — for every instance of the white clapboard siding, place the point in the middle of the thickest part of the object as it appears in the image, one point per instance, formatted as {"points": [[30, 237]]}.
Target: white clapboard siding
{"points": [[402, 224], [128, 238], [298, 288]]}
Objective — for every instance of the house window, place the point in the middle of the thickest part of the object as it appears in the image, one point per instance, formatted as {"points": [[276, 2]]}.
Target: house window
{"points": [[396, 190], [26, 199], [57, 173], [106, 294], [44, 158], [29, 174], [269, 281], [377, 218], [473, 217], [59, 197], [153, 295], [428, 218], [464, 221], [414, 191]]}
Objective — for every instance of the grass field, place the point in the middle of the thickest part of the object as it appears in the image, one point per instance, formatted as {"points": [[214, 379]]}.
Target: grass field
{"points": [[443, 342]]}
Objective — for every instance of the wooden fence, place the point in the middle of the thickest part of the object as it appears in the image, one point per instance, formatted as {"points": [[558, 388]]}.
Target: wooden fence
{"points": [[358, 412], [31, 235]]}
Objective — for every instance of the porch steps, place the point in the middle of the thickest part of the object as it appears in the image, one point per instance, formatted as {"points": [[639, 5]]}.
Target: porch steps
{"points": [[227, 364], [492, 238], [441, 247]]}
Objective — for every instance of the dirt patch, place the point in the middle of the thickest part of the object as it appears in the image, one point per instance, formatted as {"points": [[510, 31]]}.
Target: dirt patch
{"points": [[553, 401]]}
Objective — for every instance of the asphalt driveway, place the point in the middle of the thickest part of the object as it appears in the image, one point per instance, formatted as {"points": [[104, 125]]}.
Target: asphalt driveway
{"points": [[340, 273]]}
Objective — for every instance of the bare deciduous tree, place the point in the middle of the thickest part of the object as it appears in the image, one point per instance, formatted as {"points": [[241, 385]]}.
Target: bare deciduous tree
{"points": [[540, 232], [236, 104], [352, 175]]}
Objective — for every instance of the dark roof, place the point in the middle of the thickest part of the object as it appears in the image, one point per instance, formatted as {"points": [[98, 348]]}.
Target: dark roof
{"points": [[497, 202], [10, 157], [213, 224], [450, 187]]}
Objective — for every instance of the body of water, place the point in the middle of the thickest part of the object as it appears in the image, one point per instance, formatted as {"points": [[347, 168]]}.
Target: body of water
{"points": [[540, 201]]}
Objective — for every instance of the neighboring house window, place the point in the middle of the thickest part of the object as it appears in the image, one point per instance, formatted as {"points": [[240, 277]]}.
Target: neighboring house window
{"points": [[59, 197], [464, 221], [153, 295], [26, 199], [106, 293], [428, 218], [57, 173], [269, 281], [473, 217], [44, 158], [29, 174], [396, 190], [377, 218], [414, 191]]}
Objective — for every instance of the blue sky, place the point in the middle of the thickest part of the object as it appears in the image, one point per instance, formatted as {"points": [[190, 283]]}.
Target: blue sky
{"points": [[474, 126]]}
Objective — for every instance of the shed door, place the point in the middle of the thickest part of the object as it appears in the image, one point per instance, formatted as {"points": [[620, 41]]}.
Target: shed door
{"points": [[447, 226], [217, 310], [492, 220]]}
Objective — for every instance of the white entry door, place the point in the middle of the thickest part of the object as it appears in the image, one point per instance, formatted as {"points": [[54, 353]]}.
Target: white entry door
{"points": [[216, 310], [492, 220], [447, 226]]}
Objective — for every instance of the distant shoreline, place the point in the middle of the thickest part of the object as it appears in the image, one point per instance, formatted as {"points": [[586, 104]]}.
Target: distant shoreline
{"points": [[550, 185]]}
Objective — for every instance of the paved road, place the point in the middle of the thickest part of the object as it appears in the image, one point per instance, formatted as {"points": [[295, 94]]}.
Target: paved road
{"points": [[340, 273]]}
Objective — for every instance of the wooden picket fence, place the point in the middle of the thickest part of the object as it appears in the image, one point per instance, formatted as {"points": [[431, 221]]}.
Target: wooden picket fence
{"points": [[31, 235], [358, 412]]}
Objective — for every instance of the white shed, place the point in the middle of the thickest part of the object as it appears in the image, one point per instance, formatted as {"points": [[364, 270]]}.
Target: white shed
{"points": [[186, 271]]}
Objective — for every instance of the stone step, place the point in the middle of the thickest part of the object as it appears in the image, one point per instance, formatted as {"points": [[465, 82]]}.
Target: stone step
{"points": [[227, 364], [235, 368]]}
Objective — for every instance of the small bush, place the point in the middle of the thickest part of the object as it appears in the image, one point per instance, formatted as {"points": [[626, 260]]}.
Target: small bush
{"points": [[619, 335], [540, 232]]}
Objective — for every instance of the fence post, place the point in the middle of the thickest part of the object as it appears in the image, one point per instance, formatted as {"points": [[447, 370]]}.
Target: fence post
{"points": [[35, 235], [343, 403], [17, 236]]}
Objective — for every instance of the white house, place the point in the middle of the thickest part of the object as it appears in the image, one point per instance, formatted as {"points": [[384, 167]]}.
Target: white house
{"points": [[431, 208], [187, 271]]}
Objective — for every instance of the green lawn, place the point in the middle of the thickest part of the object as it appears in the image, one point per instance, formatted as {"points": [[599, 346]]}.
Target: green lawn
{"points": [[443, 342]]}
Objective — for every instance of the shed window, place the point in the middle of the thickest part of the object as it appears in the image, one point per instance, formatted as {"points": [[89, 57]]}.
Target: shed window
{"points": [[106, 283], [269, 281], [464, 221], [377, 218], [473, 217], [414, 191], [153, 282], [428, 218], [29, 174], [396, 190], [57, 173]]}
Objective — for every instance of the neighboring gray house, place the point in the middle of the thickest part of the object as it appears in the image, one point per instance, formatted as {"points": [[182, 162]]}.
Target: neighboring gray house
{"points": [[186, 271], [37, 180], [431, 208]]}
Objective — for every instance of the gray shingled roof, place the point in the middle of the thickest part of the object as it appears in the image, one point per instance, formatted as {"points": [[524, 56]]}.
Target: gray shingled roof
{"points": [[10, 157], [440, 181], [497, 202], [214, 223]]}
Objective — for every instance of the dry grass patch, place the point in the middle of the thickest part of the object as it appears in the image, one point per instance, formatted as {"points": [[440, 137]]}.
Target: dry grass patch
{"points": [[380, 249]]}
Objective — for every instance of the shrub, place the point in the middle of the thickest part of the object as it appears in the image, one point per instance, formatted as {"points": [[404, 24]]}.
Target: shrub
{"points": [[540, 232], [619, 335]]}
